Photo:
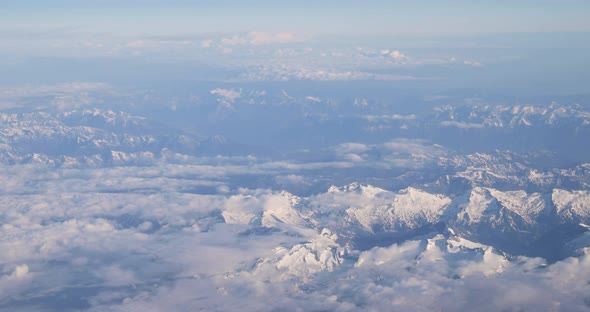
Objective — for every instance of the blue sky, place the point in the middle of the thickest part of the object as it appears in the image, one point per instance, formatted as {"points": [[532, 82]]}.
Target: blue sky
{"points": [[489, 42], [67, 27], [309, 17]]}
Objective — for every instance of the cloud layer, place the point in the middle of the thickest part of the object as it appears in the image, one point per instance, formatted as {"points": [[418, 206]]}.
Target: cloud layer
{"points": [[163, 248]]}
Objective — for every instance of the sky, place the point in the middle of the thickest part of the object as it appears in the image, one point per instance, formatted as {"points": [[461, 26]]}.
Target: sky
{"points": [[308, 17], [502, 42]]}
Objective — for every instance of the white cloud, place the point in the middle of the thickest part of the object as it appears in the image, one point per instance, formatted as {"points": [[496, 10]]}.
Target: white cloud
{"points": [[114, 275], [228, 94], [353, 157], [234, 40], [19, 272], [151, 43], [407, 146], [351, 148], [207, 43], [261, 38], [462, 125], [137, 44], [313, 98], [473, 63], [397, 55], [290, 179], [269, 38], [390, 117], [134, 239], [283, 72]]}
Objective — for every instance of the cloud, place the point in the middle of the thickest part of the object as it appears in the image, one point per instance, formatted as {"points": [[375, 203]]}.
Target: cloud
{"points": [[473, 63], [313, 98], [137, 44], [390, 117], [284, 72], [351, 147], [408, 146], [234, 40], [397, 55], [228, 94], [290, 179], [207, 43], [269, 38], [462, 125], [149, 238], [354, 157], [394, 54], [134, 241], [261, 38], [20, 272], [155, 43]]}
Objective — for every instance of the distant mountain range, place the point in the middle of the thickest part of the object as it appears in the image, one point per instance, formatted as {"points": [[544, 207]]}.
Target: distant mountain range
{"points": [[513, 202], [95, 137]]}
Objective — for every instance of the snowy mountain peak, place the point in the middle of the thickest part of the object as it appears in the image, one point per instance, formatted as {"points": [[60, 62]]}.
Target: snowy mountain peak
{"points": [[413, 206], [357, 188], [572, 205], [284, 208]]}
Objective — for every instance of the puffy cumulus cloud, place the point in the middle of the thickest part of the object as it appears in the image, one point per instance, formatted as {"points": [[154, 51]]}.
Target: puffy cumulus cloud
{"points": [[15, 281], [261, 38], [397, 55], [394, 54], [19, 273]]}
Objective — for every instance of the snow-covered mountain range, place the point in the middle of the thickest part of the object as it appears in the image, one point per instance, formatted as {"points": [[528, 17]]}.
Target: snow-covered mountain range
{"points": [[148, 209], [97, 137], [363, 216]]}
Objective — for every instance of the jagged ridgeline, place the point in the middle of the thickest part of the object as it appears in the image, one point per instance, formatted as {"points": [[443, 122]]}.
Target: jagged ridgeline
{"points": [[96, 137], [361, 217]]}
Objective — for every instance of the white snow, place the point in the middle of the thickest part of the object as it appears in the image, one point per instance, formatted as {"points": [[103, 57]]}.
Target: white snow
{"points": [[570, 204]]}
